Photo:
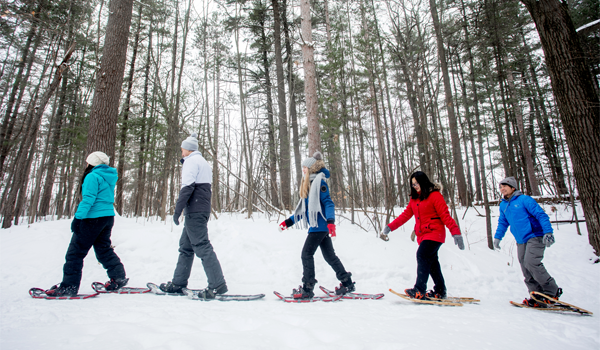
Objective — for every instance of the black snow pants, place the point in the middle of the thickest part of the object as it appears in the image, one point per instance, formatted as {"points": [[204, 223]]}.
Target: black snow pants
{"points": [[87, 234], [428, 264], [313, 241]]}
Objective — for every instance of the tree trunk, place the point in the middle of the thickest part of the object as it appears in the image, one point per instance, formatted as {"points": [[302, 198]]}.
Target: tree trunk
{"points": [[125, 125], [284, 138], [310, 83], [514, 101], [577, 102], [459, 172], [102, 129]]}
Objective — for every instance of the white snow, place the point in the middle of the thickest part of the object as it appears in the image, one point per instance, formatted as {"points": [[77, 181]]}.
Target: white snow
{"points": [[256, 258]]}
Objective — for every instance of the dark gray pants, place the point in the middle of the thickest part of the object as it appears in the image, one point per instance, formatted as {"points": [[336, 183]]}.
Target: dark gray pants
{"points": [[194, 241], [537, 278]]}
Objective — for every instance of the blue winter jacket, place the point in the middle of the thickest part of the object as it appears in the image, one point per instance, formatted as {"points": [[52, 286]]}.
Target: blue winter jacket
{"points": [[525, 217], [98, 192], [327, 207]]}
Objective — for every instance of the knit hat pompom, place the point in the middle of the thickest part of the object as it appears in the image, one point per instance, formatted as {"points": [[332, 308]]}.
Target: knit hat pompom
{"points": [[318, 156], [191, 143], [97, 158]]}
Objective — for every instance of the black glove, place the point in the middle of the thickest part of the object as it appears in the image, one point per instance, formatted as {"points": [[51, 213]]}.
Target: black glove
{"points": [[176, 218], [75, 225], [548, 239]]}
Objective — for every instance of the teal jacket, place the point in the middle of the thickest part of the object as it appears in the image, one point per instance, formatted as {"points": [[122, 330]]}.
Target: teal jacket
{"points": [[98, 192]]}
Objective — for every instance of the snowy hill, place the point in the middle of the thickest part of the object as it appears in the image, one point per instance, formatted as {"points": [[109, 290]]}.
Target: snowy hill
{"points": [[256, 258]]}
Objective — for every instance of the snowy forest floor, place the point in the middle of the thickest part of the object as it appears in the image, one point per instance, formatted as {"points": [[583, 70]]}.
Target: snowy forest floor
{"points": [[256, 258]]}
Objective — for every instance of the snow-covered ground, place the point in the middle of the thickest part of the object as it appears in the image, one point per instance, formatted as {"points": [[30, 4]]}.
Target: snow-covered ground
{"points": [[256, 258]]}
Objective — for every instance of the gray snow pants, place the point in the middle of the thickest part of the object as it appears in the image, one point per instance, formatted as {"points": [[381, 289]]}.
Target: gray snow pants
{"points": [[537, 278], [194, 241]]}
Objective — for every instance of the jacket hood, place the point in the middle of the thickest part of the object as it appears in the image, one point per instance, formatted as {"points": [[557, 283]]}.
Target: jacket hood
{"points": [[438, 186], [325, 172], [107, 173], [316, 168]]}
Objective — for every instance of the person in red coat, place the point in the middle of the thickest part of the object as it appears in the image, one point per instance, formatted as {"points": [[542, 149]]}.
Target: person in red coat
{"points": [[431, 214]]}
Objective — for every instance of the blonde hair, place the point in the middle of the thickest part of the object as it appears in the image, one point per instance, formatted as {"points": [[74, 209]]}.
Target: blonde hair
{"points": [[305, 185]]}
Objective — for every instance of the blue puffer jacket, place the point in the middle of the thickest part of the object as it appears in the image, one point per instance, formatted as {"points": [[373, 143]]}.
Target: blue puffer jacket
{"points": [[525, 217], [327, 207], [98, 192]]}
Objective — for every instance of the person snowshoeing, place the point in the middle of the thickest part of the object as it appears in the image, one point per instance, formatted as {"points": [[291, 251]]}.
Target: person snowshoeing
{"points": [[92, 227], [316, 211], [531, 227], [431, 214], [194, 204]]}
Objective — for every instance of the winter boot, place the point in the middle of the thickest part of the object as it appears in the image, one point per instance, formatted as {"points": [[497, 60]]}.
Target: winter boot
{"points": [[209, 293], [62, 291], [304, 292], [115, 284], [415, 293], [347, 286], [169, 287], [532, 303], [547, 301], [436, 295]]}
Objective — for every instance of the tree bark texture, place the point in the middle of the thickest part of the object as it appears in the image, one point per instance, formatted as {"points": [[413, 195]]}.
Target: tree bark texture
{"points": [[577, 103], [459, 172], [102, 130], [310, 80]]}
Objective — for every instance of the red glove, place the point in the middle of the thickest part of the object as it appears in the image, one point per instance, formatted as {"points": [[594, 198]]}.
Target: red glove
{"points": [[331, 228], [282, 226]]}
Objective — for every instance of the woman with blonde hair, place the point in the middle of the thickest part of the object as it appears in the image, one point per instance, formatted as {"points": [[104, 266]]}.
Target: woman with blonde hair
{"points": [[316, 211]]}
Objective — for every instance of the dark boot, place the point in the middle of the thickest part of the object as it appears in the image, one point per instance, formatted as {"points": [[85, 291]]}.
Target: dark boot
{"points": [[169, 287], [436, 295], [347, 286], [304, 292], [415, 293], [62, 291], [209, 293], [115, 284]]}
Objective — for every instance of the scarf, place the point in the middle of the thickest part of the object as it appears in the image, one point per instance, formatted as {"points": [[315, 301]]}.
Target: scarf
{"points": [[314, 204]]}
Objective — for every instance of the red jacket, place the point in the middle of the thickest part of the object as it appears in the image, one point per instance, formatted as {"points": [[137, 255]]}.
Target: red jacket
{"points": [[431, 215]]}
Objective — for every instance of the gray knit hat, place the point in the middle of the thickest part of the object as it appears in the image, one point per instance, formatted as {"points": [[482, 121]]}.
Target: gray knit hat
{"points": [[191, 143], [308, 162], [509, 181]]}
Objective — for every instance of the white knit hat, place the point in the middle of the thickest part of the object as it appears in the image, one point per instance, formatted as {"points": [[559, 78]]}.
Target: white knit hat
{"points": [[191, 143], [97, 158]]}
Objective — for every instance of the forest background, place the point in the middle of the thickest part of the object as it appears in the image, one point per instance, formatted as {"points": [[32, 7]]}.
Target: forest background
{"points": [[468, 91]]}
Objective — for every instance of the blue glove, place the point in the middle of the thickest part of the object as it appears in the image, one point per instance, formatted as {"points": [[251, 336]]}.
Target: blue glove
{"points": [[176, 218], [548, 239], [458, 240], [496, 243], [75, 225]]}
